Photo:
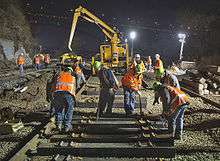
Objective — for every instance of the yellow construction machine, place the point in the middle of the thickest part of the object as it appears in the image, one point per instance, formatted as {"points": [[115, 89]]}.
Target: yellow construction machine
{"points": [[69, 58], [114, 54]]}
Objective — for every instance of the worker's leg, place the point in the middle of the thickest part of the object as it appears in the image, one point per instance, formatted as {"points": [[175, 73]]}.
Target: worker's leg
{"points": [[21, 70], [111, 99], [83, 78], [78, 80], [126, 100], [103, 98], [69, 102], [132, 101], [172, 123], [58, 106], [179, 122]]}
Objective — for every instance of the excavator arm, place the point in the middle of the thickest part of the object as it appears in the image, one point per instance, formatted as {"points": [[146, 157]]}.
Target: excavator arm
{"points": [[85, 14]]}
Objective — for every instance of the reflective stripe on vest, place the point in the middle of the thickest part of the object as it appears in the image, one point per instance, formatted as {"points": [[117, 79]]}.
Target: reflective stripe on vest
{"points": [[65, 82], [178, 98]]}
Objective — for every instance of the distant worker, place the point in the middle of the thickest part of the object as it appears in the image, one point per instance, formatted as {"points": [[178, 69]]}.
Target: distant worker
{"points": [[46, 60], [169, 79], [137, 60], [80, 77], [148, 63], [64, 93], [131, 83], [109, 85], [174, 103], [20, 63], [37, 59], [158, 68]]}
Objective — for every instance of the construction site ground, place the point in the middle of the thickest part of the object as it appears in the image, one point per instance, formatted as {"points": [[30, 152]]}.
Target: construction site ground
{"points": [[201, 126]]}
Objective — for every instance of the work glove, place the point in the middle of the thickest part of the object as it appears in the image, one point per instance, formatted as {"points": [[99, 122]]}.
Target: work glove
{"points": [[138, 92]]}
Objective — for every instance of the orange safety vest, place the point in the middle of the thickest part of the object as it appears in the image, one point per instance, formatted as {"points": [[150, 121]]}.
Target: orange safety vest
{"points": [[37, 60], [66, 82], [131, 81], [149, 61], [78, 70], [178, 98], [47, 59], [20, 60], [158, 64]]}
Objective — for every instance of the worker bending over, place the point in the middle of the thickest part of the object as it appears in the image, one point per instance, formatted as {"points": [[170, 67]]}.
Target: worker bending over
{"points": [[109, 85], [174, 103], [131, 83], [158, 68], [169, 79], [20, 63], [64, 98]]}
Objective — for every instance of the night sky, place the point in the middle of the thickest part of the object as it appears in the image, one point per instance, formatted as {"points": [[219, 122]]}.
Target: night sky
{"points": [[155, 21]]}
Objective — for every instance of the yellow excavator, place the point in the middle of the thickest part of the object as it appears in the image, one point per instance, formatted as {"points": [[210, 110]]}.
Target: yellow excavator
{"points": [[114, 54], [69, 59]]}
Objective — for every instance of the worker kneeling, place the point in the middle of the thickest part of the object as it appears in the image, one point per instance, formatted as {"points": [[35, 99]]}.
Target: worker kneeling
{"points": [[131, 83], [109, 85], [64, 93], [174, 103]]}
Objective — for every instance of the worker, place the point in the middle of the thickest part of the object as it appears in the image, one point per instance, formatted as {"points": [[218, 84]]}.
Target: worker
{"points": [[169, 79], [37, 62], [20, 63], [109, 85], [131, 83], [46, 60], [64, 98], [174, 103], [137, 60], [148, 63], [80, 77], [158, 68]]}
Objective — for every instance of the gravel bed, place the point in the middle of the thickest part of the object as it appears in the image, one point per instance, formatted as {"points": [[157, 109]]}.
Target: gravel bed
{"points": [[7, 146]]}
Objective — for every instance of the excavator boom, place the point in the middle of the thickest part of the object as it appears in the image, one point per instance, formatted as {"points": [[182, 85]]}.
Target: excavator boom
{"points": [[85, 14]]}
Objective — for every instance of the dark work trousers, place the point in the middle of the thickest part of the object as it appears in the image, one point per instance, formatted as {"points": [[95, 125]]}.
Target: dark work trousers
{"points": [[63, 105], [106, 98]]}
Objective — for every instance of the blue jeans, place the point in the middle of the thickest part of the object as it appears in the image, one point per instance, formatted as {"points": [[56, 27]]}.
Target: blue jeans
{"points": [[63, 105], [21, 70], [106, 98], [129, 100], [175, 121], [37, 66], [80, 78]]}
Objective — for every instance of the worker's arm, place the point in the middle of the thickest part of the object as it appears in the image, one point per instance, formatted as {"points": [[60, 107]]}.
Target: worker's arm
{"points": [[166, 100]]}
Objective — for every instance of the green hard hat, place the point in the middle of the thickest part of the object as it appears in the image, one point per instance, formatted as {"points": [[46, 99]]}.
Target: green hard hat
{"points": [[97, 65], [156, 85], [69, 69]]}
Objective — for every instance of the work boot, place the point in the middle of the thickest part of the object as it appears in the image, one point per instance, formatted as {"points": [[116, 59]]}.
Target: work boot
{"points": [[59, 127], [68, 129], [178, 137]]}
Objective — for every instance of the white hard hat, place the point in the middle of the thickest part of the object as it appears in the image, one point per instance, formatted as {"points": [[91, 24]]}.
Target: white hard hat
{"points": [[157, 55], [137, 56], [22, 53]]}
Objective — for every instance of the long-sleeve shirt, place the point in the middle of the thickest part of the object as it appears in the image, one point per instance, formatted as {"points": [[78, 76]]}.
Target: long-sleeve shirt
{"points": [[107, 78]]}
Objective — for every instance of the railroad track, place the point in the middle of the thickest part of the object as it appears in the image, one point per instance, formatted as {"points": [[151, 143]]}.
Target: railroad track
{"points": [[111, 136]]}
